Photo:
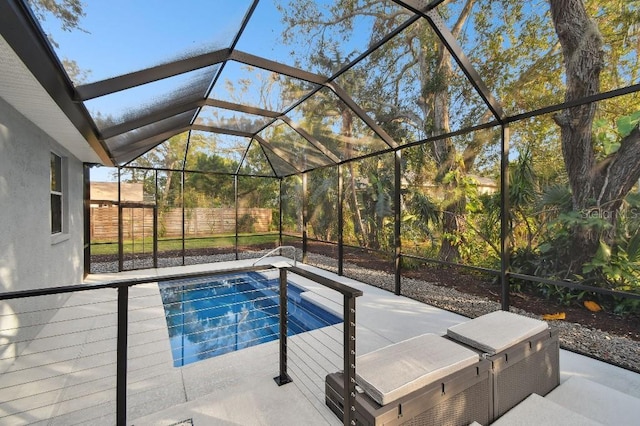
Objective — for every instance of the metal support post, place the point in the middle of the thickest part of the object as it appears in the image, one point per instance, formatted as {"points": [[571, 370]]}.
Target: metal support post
{"points": [[283, 378], [397, 203], [235, 201], [349, 415], [155, 236], [280, 215], [304, 217], [340, 220], [184, 234], [121, 357], [86, 211], [120, 225], [504, 218]]}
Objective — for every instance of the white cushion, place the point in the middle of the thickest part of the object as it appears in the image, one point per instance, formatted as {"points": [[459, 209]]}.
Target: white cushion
{"points": [[497, 331], [394, 371]]}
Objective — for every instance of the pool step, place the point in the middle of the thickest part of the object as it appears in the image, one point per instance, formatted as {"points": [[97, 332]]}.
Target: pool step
{"points": [[596, 401], [577, 401], [538, 411]]}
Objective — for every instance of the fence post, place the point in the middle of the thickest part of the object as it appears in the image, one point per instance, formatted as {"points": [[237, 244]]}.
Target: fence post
{"points": [[349, 414], [121, 357], [283, 378]]}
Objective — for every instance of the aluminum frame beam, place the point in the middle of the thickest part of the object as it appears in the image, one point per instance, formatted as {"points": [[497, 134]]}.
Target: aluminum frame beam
{"points": [[242, 108], [22, 33], [269, 65], [278, 152], [220, 130], [154, 117], [428, 11], [312, 140], [149, 75], [359, 112], [139, 148]]}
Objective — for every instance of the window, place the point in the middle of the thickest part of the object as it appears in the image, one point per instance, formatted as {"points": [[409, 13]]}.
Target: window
{"points": [[56, 194]]}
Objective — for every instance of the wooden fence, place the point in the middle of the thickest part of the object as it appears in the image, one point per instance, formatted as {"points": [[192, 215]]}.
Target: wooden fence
{"points": [[199, 221]]}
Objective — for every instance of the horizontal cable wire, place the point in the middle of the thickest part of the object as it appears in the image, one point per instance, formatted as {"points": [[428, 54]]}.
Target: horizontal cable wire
{"points": [[63, 388], [60, 401], [108, 404], [59, 308], [60, 362], [321, 354], [246, 343], [57, 336], [309, 361], [222, 296], [219, 317], [59, 321], [309, 395]]}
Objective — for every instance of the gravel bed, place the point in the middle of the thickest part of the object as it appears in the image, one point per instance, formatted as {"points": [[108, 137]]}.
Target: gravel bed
{"points": [[616, 350]]}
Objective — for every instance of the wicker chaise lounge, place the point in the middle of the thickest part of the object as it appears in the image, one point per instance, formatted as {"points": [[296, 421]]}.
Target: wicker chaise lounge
{"points": [[523, 351], [476, 373], [426, 380]]}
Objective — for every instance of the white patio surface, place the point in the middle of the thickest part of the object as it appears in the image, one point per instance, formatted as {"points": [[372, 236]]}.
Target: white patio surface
{"points": [[236, 388]]}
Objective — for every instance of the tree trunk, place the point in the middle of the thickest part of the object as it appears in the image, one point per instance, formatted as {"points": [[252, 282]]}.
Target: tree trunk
{"points": [[346, 131], [597, 187], [444, 152]]}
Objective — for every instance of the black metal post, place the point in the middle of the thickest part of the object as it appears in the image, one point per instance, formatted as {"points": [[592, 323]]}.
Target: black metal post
{"points": [[235, 201], [280, 216], [349, 385], [155, 236], [155, 223], [283, 378], [184, 234], [340, 220], [121, 356], [120, 230], [504, 218], [86, 190], [304, 217], [397, 203]]}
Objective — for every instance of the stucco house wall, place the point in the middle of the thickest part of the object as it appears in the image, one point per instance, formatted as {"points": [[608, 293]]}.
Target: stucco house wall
{"points": [[30, 257]]}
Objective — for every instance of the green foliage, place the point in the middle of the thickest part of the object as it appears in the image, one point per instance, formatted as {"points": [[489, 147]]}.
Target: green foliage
{"points": [[625, 306], [627, 123], [562, 295], [618, 266], [68, 12], [246, 224], [322, 204]]}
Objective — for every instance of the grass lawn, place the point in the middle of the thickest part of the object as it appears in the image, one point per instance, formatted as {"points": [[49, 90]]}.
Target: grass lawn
{"points": [[168, 244]]}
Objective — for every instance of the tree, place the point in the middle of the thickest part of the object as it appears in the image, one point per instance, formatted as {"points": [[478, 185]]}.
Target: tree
{"points": [[408, 87], [598, 185], [68, 13]]}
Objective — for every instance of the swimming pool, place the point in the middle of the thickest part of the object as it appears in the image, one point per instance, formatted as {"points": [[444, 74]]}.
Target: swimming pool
{"points": [[212, 316]]}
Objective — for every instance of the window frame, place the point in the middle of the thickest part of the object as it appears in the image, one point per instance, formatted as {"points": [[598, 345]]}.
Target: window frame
{"points": [[57, 190]]}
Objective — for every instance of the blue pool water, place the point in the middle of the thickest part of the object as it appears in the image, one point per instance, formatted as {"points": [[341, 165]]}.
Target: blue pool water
{"points": [[213, 316]]}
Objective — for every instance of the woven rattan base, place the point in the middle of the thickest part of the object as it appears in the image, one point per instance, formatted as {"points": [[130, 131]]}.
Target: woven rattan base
{"points": [[531, 366], [458, 399]]}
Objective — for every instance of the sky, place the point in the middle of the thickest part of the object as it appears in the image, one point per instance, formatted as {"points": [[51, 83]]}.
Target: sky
{"points": [[121, 36]]}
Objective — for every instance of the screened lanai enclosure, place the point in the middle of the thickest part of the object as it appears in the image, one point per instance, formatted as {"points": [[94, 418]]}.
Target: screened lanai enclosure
{"points": [[498, 139]]}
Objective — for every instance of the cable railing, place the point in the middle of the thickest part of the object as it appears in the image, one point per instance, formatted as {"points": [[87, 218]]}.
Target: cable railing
{"points": [[102, 359]]}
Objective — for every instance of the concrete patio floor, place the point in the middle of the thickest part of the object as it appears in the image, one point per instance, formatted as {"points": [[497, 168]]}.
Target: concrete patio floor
{"points": [[238, 388]]}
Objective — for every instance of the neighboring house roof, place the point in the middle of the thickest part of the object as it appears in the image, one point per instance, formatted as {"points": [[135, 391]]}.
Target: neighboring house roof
{"points": [[108, 191]]}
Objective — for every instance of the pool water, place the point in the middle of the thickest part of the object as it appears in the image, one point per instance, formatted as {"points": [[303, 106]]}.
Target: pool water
{"points": [[213, 316]]}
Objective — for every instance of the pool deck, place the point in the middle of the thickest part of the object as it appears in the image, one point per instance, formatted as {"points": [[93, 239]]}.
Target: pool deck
{"points": [[238, 388]]}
